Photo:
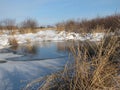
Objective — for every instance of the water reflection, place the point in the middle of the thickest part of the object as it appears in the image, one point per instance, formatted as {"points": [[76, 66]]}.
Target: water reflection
{"points": [[40, 51], [24, 49]]}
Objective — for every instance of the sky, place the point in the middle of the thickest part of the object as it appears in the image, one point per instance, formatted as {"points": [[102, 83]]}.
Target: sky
{"points": [[53, 11]]}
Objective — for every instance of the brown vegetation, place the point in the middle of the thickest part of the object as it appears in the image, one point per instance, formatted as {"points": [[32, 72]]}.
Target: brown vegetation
{"points": [[8, 24], [31, 25], [109, 22], [94, 67], [28, 26], [13, 42]]}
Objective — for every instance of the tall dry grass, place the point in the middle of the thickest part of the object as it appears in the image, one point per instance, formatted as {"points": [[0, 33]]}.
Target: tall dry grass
{"points": [[94, 67], [24, 31]]}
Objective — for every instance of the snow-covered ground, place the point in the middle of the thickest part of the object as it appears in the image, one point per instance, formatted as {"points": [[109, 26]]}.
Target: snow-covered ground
{"points": [[49, 35]]}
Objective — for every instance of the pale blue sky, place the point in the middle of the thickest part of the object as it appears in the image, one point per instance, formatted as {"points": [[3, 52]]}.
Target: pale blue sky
{"points": [[52, 11]]}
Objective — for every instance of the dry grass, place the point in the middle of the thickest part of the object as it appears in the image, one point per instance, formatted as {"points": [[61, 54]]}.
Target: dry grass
{"points": [[28, 30], [13, 32], [1, 32], [109, 22], [13, 41], [95, 67], [24, 31], [99, 29], [41, 29]]}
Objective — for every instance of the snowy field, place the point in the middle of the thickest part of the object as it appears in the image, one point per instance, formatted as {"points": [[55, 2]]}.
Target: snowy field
{"points": [[15, 74]]}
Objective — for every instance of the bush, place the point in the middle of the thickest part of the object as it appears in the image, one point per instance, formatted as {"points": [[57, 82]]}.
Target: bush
{"points": [[109, 22], [28, 25]]}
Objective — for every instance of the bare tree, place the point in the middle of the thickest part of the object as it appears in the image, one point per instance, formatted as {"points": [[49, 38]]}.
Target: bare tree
{"points": [[9, 24], [29, 23]]}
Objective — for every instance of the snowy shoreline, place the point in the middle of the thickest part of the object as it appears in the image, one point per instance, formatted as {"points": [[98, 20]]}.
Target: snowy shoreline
{"points": [[49, 35]]}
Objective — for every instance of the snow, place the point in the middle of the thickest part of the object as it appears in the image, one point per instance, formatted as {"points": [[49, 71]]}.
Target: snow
{"points": [[49, 35]]}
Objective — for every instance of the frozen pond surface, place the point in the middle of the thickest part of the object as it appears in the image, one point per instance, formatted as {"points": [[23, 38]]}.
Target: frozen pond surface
{"points": [[19, 65]]}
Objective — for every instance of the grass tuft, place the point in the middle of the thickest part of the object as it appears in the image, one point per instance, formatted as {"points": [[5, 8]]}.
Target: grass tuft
{"points": [[13, 42]]}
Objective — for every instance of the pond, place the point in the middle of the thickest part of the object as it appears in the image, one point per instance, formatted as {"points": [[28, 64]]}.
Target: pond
{"points": [[20, 65]]}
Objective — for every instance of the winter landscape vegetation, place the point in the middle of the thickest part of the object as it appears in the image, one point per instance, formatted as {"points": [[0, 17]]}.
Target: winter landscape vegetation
{"points": [[71, 54]]}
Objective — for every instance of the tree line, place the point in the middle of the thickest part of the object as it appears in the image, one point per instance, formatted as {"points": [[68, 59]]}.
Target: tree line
{"points": [[10, 24], [109, 22], [100, 23]]}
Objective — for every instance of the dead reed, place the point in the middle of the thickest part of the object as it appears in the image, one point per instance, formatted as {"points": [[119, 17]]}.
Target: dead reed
{"points": [[95, 67]]}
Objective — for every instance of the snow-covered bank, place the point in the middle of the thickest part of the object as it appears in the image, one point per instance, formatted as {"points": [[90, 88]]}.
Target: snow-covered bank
{"points": [[49, 35]]}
